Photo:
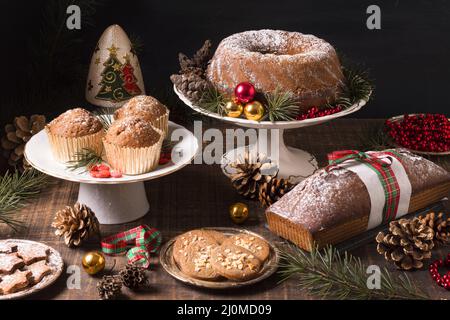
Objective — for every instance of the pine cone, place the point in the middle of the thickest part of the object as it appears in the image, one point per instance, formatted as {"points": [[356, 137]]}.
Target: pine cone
{"points": [[439, 224], [191, 85], [272, 189], [17, 135], [109, 287], [198, 61], [76, 224], [133, 276], [248, 177], [407, 244]]}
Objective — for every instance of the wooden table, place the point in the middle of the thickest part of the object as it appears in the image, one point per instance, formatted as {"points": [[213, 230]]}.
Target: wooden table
{"points": [[197, 196]]}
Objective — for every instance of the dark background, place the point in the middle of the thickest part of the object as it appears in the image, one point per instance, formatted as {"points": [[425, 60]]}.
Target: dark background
{"points": [[44, 65]]}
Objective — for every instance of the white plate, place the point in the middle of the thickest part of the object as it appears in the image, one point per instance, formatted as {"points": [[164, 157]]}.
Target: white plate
{"points": [[39, 155]]}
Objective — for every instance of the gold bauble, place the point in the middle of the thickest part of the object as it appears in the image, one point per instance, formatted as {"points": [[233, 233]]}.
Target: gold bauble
{"points": [[233, 109], [93, 262], [254, 110], [239, 212]]}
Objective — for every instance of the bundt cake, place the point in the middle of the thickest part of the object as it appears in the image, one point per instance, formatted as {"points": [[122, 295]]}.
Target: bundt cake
{"points": [[304, 65]]}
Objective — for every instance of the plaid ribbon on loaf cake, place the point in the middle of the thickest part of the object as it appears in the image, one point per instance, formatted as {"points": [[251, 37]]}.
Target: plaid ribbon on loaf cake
{"points": [[138, 243], [380, 163]]}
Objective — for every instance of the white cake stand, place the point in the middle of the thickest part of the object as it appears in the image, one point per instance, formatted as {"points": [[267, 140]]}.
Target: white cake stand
{"points": [[114, 200], [292, 163]]}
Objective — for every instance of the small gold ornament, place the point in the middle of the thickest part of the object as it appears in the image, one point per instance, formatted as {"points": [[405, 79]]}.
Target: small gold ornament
{"points": [[254, 110], [233, 109], [93, 262], [239, 212]]}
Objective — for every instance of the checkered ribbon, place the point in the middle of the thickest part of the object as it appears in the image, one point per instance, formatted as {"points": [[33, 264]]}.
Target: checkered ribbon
{"points": [[380, 163], [138, 243]]}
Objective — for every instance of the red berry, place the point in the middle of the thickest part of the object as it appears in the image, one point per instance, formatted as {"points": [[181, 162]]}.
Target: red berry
{"points": [[116, 173]]}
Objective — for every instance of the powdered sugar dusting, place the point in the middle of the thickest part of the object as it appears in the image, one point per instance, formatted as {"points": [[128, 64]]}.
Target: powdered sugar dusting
{"points": [[303, 64]]}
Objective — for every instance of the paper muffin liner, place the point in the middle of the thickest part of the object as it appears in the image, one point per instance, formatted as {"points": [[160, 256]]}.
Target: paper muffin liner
{"points": [[162, 123], [64, 149], [132, 161]]}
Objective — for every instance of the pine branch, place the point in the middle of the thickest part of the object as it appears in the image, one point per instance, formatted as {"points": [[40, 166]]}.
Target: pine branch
{"points": [[86, 158], [280, 106], [357, 87], [15, 190], [376, 139], [329, 274], [213, 101]]}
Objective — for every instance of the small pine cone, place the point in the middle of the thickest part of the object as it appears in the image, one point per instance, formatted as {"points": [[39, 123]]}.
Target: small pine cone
{"points": [[76, 224], [247, 174], [202, 56], [439, 224], [109, 287], [272, 189], [17, 135], [407, 243], [133, 276]]}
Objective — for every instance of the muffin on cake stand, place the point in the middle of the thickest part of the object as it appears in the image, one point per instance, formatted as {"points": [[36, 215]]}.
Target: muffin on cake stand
{"points": [[114, 200]]}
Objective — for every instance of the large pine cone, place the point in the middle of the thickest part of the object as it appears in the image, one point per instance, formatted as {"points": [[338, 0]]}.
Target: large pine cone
{"points": [[133, 276], [440, 226], [272, 189], [109, 287], [248, 176], [191, 81], [191, 85], [17, 135], [76, 224], [407, 244]]}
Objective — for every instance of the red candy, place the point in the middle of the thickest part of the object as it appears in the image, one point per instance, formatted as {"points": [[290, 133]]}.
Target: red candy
{"points": [[103, 171], [164, 158], [424, 132], [315, 112], [116, 174]]}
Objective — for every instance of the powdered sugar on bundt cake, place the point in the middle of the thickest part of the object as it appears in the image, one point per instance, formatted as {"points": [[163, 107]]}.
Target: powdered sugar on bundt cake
{"points": [[302, 64]]}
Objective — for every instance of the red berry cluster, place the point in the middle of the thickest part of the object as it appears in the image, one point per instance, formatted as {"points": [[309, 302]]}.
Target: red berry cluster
{"points": [[315, 112], [443, 281], [165, 157], [103, 171], [424, 132]]}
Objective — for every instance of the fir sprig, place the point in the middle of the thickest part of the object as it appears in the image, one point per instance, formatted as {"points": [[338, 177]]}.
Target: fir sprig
{"points": [[15, 190], [280, 106], [376, 139], [328, 273], [357, 87], [213, 101], [86, 159]]}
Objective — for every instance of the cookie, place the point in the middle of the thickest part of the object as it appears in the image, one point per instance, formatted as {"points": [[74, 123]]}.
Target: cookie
{"points": [[7, 248], [15, 282], [38, 271], [196, 262], [31, 254], [256, 245], [190, 238], [9, 263], [235, 263], [218, 236]]}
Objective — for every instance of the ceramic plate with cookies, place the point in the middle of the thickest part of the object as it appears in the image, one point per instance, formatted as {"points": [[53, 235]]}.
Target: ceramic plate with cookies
{"points": [[219, 258], [27, 267]]}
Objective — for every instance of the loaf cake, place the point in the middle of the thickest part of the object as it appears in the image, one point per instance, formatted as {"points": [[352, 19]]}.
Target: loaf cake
{"points": [[304, 65], [334, 204]]}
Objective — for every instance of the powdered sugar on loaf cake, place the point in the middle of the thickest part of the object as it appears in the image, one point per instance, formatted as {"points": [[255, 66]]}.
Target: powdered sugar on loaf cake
{"points": [[304, 65]]}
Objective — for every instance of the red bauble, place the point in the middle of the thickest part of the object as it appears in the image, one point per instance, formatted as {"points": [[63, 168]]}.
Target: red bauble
{"points": [[245, 92]]}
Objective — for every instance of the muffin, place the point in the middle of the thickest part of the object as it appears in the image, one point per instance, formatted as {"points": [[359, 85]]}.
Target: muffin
{"points": [[133, 145], [72, 131], [147, 108]]}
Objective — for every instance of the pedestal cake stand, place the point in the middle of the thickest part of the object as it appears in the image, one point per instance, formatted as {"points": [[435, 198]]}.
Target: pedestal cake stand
{"points": [[114, 200], [293, 163]]}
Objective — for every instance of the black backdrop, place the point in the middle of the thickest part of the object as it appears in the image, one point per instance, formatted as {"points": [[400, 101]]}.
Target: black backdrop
{"points": [[409, 58]]}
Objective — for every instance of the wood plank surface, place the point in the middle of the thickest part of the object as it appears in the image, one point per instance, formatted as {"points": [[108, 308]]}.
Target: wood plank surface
{"points": [[197, 196]]}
